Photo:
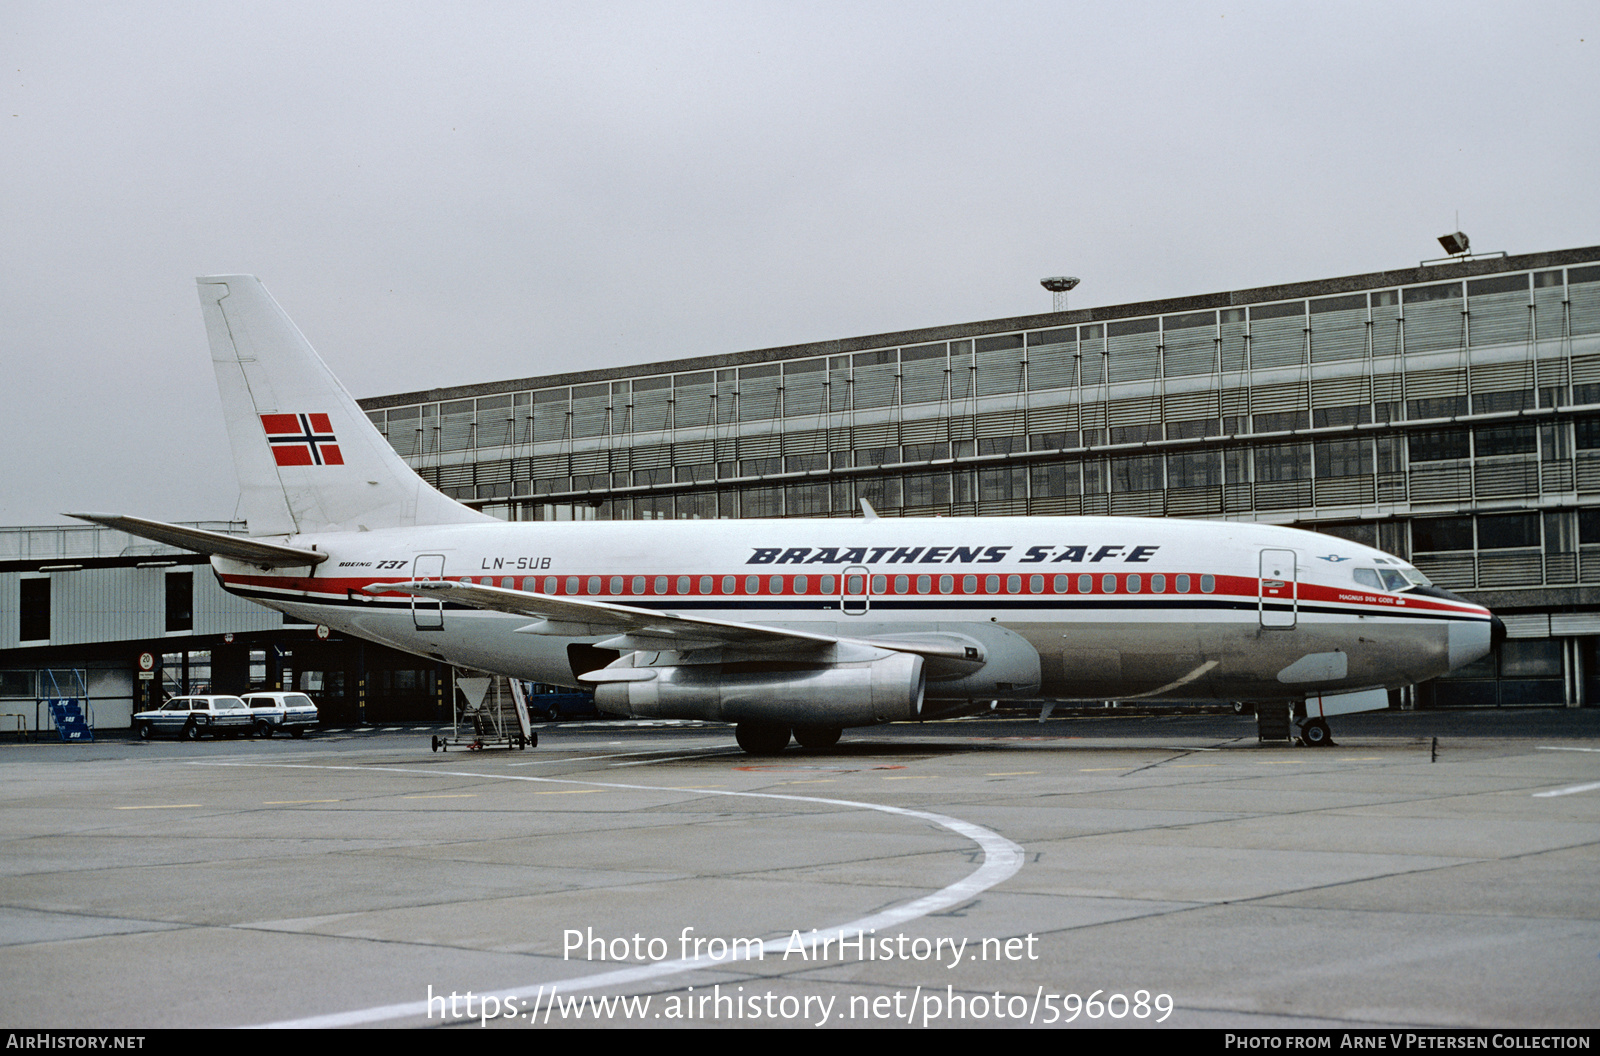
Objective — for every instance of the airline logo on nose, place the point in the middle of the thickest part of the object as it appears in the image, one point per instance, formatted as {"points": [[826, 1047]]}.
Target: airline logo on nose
{"points": [[302, 440]]}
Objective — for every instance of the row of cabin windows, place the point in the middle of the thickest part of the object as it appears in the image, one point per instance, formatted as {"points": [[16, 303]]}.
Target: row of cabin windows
{"points": [[854, 585]]}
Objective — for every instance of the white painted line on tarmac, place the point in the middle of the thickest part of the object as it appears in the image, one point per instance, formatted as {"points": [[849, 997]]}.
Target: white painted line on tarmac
{"points": [[1544, 748], [1001, 861], [1568, 790], [652, 762], [626, 755]]}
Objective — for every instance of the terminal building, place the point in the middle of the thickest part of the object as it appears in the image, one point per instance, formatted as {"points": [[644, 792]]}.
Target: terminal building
{"points": [[1448, 413]]}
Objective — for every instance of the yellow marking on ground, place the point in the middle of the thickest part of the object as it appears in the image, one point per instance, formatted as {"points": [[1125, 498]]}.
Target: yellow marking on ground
{"points": [[1277, 762], [1100, 769], [1012, 773], [288, 802], [1192, 766], [161, 806], [690, 788], [911, 777], [568, 792], [447, 795]]}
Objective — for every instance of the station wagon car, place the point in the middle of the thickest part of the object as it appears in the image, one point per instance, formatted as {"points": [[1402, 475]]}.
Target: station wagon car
{"points": [[291, 713], [190, 718]]}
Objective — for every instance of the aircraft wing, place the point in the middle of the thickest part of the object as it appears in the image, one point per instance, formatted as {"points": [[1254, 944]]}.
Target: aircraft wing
{"points": [[240, 548], [636, 628]]}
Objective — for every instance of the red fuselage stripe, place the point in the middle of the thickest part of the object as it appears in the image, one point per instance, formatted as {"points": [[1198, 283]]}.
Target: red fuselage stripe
{"points": [[987, 584]]}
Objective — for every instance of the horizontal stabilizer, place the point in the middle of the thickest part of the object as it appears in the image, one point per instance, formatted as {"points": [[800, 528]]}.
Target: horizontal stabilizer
{"points": [[217, 544]]}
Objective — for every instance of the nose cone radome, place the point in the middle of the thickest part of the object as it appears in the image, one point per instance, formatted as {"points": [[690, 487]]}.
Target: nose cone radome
{"points": [[1469, 639]]}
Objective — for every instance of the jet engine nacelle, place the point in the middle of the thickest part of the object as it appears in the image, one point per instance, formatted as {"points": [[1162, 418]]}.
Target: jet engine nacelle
{"points": [[862, 692]]}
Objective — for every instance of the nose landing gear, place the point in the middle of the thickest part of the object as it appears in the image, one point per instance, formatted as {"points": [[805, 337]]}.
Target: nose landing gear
{"points": [[1315, 734]]}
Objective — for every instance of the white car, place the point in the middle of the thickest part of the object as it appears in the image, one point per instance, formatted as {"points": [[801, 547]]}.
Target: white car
{"points": [[293, 713], [189, 718]]}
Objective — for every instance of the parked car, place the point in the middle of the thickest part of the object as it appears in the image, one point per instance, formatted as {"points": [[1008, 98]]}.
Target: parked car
{"points": [[190, 718], [291, 713]]}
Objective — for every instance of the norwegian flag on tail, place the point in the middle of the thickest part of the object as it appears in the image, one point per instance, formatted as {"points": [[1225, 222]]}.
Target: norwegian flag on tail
{"points": [[302, 439]]}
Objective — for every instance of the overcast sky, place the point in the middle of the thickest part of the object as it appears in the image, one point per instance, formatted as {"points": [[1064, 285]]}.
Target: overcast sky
{"points": [[446, 193]]}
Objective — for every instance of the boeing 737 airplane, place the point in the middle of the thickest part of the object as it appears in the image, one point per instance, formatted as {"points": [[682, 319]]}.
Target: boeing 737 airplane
{"points": [[791, 627]]}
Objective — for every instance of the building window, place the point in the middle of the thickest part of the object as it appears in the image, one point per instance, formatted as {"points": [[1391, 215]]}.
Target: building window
{"points": [[1434, 445], [1505, 440], [1197, 469], [1194, 428], [1136, 474], [1281, 422], [1508, 530], [1357, 532], [180, 601], [1344, 458], [1135, 434], [1492, 402], [1436, 407], [1432, 535], [1283, 462], [1002, 484], [1355, 414], [1587, 433], [35, 610]]}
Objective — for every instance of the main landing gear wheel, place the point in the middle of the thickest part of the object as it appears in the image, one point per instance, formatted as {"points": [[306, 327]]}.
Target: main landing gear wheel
{"points": [[1315, 734], [762, 738], [817, 736]]}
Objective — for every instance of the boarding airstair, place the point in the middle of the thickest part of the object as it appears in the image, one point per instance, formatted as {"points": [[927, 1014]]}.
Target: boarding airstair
{"points": [[488, 711], [69, 706]]}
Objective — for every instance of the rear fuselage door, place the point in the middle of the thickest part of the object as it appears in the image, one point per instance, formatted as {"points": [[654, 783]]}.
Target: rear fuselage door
{"points": [[427, 614], [1278, 598]]}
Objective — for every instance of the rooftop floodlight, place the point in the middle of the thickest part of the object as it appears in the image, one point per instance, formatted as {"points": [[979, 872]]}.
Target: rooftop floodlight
{"points": [[1058, 285], [1454, 243]]}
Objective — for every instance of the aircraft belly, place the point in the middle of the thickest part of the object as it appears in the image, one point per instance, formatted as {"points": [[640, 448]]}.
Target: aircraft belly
{"points": [[1232, 659], [482, 641], [1096, 661], [1238, 660], [1265, 663]]}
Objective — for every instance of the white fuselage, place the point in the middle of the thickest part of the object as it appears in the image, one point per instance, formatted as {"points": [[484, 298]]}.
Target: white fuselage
{"points": [[1116, 608]]}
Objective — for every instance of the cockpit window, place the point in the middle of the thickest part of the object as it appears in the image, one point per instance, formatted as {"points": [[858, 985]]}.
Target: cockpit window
{"points": [[1403, 577], [1416, 578]]}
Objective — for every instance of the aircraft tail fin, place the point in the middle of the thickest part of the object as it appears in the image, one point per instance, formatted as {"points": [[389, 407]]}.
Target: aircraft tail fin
{"points": [[307, 457]]}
